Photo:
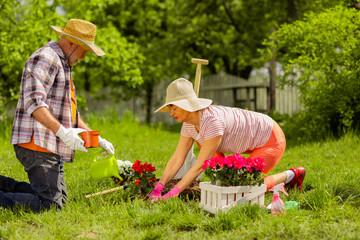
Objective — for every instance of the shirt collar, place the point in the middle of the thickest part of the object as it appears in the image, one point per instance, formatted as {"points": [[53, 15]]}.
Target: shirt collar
{"points": [[55, 46]]}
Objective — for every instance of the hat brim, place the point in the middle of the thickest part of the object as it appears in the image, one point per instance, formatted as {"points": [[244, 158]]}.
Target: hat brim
{"points": [[88, 45], [190, 105]]}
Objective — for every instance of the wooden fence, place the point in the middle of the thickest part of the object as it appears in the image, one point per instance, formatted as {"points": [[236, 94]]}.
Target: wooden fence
{"points": [[223, 89], [252, 94]]}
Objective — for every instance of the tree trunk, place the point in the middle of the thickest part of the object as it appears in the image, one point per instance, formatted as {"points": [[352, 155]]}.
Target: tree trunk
{"points": [[272, 75], [245, 72], [292, 9], [87, 84], [149, 92]]}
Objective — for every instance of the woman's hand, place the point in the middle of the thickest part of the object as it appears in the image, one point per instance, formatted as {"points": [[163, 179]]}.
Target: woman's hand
{"points": [[207, 151], [172, 193], [156, 193]]}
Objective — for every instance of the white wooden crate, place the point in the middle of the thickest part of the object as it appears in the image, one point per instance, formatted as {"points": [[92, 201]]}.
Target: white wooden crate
{"points": [[217, 198]]}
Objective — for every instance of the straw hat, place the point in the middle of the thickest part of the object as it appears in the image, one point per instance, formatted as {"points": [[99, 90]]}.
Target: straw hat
{"points": [[81, 33], [181, 93]]}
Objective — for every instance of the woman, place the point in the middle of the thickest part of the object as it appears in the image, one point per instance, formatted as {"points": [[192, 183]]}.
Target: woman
{"points": [[224, 130]]}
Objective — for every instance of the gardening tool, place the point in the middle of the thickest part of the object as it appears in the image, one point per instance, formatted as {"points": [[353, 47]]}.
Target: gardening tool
{"points": [[105, 168], [190, 159], [199, 62], [107, 191]]}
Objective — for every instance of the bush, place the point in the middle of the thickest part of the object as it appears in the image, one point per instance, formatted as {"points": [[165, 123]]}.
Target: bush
{"points": [[320, 55], [301, 128]]}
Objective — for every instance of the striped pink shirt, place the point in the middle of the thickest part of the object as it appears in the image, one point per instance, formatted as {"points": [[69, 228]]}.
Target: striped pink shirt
{"points": [[241, 130]]}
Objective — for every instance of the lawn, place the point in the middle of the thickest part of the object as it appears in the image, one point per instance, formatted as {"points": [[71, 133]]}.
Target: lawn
{"points": [[329, 203]]}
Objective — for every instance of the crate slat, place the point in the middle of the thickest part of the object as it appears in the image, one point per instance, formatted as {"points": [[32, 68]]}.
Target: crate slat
{"points": [[217, 198]]}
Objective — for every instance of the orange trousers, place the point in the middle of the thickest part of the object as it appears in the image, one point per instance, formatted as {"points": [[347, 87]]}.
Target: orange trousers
{"points": [[273, 150]]}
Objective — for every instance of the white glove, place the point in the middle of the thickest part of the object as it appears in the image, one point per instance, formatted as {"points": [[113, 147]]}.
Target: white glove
{"points": [[70, 136], [106, 145]]}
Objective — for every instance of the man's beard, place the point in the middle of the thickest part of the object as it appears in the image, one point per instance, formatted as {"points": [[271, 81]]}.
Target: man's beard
{"points": [[72, 63]]}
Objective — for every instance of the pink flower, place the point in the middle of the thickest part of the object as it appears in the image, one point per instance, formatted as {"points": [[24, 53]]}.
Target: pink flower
{"points": [[258, 164], [229, 161], [220, 161], [239, 161], [249, 168], [213, 163], [246, 173], [206, 164]]}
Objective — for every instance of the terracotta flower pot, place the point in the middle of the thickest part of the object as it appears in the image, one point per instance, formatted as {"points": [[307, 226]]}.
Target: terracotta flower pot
{"points": [[91, 138]]}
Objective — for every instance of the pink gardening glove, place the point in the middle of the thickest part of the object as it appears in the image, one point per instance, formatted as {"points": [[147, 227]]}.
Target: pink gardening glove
{"points": [[173, 193], [156, 193]]}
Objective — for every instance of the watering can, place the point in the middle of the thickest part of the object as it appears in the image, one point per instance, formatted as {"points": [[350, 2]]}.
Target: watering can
{"points": [[105, 168]]}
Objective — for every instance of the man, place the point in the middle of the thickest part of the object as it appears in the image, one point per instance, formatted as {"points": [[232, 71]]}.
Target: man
{"points": [[47, 123]]}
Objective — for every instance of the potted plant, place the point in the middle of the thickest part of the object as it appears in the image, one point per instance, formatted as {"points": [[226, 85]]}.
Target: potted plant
{"points": [[234, 180]]}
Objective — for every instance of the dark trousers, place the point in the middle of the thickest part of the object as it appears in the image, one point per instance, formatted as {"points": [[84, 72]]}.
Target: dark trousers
{"points": [[47, 184]]}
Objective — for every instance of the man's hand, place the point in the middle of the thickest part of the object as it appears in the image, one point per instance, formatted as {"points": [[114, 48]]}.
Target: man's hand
{"points": [[106, 145], [70, 136]]}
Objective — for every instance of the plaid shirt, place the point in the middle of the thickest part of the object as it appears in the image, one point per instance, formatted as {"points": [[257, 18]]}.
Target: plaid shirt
{"points": [[45, 83]]}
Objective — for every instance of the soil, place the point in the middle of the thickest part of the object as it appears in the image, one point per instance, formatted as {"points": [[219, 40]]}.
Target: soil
{"points": [[192, 192]]}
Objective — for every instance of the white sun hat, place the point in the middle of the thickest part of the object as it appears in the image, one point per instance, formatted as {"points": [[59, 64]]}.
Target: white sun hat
{"points": [[181, 94]]}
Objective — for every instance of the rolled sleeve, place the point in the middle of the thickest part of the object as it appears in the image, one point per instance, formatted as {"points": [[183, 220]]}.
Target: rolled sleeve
{"points": [[39, 75]]}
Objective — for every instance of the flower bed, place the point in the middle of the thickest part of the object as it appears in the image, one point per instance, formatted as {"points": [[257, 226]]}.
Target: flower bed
{"points": [[139, 177]]}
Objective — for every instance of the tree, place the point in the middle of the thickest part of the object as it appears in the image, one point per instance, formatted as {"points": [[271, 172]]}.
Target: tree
{"points": [[26, 27], [147, 41], [121, 64], [169, 33], [227, 32], [21, 33], [320, 55]]}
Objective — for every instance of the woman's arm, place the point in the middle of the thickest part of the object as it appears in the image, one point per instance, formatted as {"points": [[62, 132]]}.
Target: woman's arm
{"points": [[177, 159], [207, 150]]}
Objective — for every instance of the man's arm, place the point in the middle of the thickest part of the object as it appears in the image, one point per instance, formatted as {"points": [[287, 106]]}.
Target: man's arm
{"points": [[83, 125], [44, 116], [69, 136]]}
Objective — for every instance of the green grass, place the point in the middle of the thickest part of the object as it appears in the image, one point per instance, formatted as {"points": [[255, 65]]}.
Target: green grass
{"points": [[329, 203]]}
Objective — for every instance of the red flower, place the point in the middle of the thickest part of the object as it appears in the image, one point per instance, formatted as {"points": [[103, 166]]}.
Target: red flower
{"points": [[138, 167], [142, 178], [148, 167]]}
